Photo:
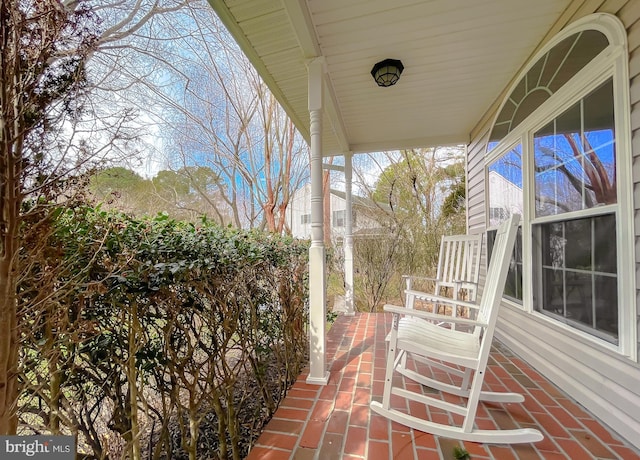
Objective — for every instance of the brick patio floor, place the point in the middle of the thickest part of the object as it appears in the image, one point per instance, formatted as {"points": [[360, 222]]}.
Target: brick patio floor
{"points": [[334, 421]]}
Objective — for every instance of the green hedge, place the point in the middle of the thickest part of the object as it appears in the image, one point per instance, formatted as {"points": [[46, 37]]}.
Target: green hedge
{"points": [[154, 337]]}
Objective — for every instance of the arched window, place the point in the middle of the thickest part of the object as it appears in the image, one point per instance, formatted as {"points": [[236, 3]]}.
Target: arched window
{"points": [[548, 74], [559, 155]]}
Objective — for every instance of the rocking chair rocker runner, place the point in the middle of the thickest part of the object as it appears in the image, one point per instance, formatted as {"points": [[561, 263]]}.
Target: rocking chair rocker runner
{"points": [[463, 354]]}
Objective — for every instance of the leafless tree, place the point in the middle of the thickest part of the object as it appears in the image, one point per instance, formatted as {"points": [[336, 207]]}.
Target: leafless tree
{"points": [[215, 111]]}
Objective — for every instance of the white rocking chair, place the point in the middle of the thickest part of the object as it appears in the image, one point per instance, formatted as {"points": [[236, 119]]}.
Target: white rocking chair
{"points": [[463, 354], [456, 276]]}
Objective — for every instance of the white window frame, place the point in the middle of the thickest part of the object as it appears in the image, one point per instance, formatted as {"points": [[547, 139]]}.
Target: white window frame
{"points": [[339, 218], [611, 63]]}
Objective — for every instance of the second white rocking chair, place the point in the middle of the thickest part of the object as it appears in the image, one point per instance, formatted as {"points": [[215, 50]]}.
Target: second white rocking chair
{"points": [[463, 354]]}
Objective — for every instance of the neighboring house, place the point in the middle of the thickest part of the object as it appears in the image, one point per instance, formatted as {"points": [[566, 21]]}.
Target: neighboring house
{"points": [[364, 215], [545, 93], [506, 199]]}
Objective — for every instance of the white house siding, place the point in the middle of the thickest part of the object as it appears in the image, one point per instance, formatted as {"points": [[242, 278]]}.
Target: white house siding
{"points": [[601, 380]]}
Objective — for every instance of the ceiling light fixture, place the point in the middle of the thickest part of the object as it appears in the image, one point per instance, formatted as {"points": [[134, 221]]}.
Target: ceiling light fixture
{"points": [[387, 72]]}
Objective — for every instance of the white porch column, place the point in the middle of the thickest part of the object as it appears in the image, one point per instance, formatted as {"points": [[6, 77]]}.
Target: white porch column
{"points": [[348, 236], [317, 277]]}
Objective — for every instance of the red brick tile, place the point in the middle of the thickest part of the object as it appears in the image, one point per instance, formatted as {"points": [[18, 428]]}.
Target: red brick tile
{"points": [[291, 414], [573, 408], [551, 426], [592, 444], [266, 453], [526, 452], [312, 434], [564, 418], [344, 400], [601, 432], [377, 388], [522, 415], [398, 402], [362, 396], [338, 365], [347, 384], [285, 426], [328, 392], [331, 448], [395, 426], [552, 455], [401, 446], [338, 422], [475, 449], [306, 386], [543, 397], [295, 403], [359, 416], [378, 450], [503, 453], [418, 410], [526, 369], [486, 424], [547, 444], [279, 440], [551, 389], [437, 417], [302, 393], [365, 368], [356, 441], [322, 410], [532, 405], [363, 381], [304, 453], [572, 449], [424, 440], [378, 427]]}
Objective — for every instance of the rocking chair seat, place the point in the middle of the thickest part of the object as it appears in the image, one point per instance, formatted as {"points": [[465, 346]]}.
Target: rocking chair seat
{"points": [[416, 334]]}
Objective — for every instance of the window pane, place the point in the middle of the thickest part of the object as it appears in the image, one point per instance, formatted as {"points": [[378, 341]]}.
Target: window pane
{"points": [[553, 243], [505, 186], [606, 304], [513, 286], [574, 157], [589, 44], [578, 247], [578, 282], [553, 291], [605, 248], [578, 297]]}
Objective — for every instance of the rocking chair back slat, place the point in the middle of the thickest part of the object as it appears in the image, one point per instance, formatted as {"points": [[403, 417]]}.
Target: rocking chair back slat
{"points": [[459, 264]]}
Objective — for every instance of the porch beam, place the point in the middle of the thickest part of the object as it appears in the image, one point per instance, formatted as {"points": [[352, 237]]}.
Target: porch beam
{"points": [[317, 271], [330, 167]]}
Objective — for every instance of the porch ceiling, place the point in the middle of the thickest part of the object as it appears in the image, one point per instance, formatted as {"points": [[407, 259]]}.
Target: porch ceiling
{"points": [[458, 56]]}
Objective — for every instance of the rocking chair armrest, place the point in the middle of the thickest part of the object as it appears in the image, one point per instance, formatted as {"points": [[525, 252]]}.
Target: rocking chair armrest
{"points": [[440, 299], [464, 284], [420, 278], [396, 310]]}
